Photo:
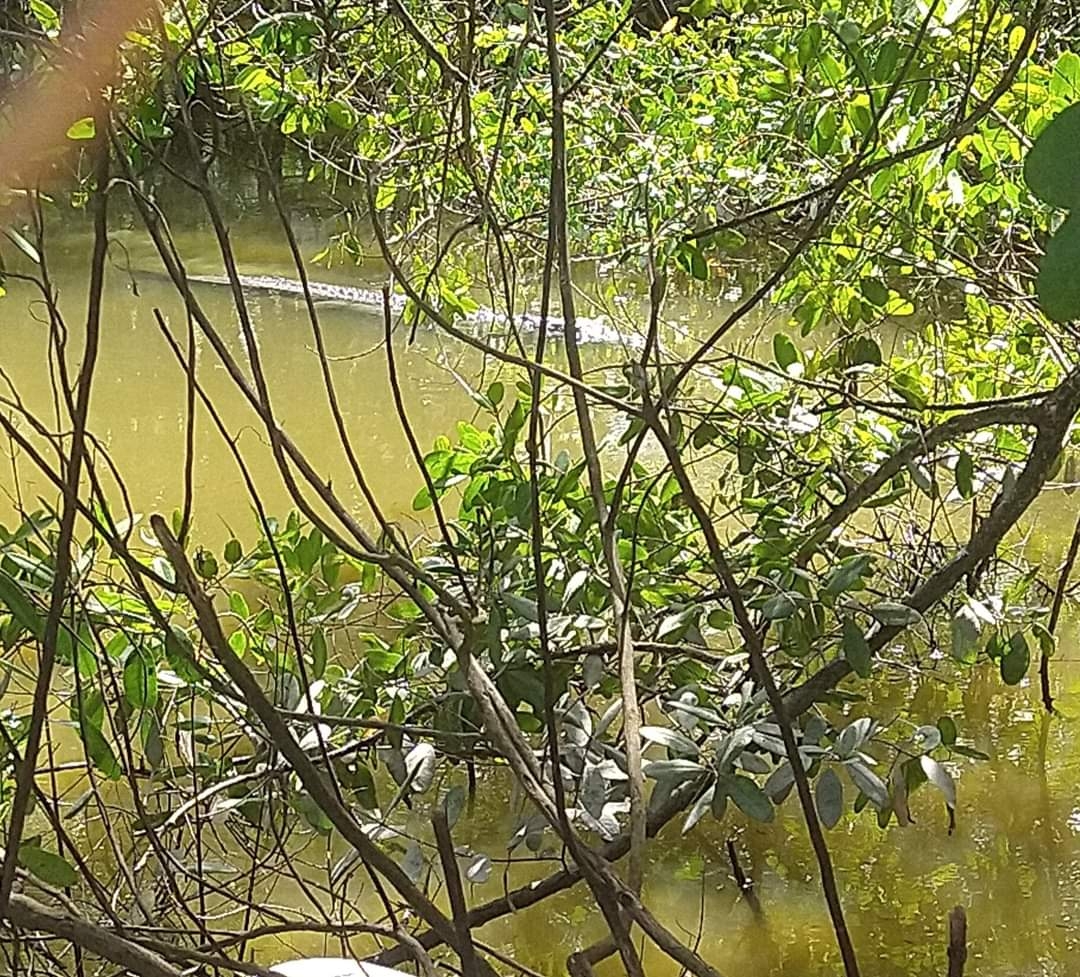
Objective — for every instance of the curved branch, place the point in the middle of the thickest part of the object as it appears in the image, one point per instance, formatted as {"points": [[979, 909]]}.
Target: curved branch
{"points": [[1053, 419], [29, 914]]}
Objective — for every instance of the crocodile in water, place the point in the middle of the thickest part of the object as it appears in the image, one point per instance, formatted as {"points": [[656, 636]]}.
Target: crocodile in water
{"points": [[589, 329]]}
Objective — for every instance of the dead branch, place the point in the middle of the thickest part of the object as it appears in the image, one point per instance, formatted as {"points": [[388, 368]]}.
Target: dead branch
{"points": [[31, 915]]}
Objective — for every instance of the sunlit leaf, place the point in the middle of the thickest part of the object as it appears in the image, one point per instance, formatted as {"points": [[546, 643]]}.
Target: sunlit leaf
{"points": [[479, 870], [83, 129], [700, 808], [868, 782], [940, 778], [669, 738], [385, 196], [421, 763]]}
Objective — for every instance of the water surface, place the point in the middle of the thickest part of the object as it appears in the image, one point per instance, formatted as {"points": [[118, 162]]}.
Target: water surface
{"points": [[1013, 861]]}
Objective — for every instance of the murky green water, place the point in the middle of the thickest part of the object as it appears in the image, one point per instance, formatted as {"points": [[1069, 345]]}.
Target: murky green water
{"points": [[138, 404], [1013, 862]]}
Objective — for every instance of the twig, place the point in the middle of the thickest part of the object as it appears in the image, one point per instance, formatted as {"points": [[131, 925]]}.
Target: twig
{"points": [[62, 570], [29, 914], [580, 963], [558, 217], [309, 775], [1055, 614], [742, 880], [458, 909], [957, 941]]}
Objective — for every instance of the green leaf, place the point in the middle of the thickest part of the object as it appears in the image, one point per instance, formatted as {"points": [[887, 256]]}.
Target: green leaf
{"points": [[947, 727], [965, 474], [808, 45], [899, 306], [829, 798], [140, 681], [856, 649], [1065, 82], [849, 31], [1014, 664], [778, 607], [206, 565], [21, 607], [99, 751], [690, 259], [23, 245], [479, 870], [422, 500], [1051, 169], [887, 60], [47, 866], [875, 291], [864, 351], [894, 615], [868, 782], [748, 797], [669, 738], [927, 738], [385, 195], [153, 745], [910, 389], [1058, 284], [45, 15], [524, 607], [780, 782], [701, 807], [784, 351], [239, 606], [83, 129], [849, 575], [318, 654], [233, 551], [1047, 641], [683, 769], [341, 114], [180, 654]]}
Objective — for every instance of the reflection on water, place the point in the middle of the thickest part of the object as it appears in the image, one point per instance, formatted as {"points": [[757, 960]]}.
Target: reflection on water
{"points": [[1013, 861]]}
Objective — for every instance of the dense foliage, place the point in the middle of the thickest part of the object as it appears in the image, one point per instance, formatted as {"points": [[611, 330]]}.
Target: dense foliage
{"points": [[731, 533]]}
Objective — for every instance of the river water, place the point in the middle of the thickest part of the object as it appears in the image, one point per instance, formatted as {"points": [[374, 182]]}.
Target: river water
{"points": [[1014, 859]]}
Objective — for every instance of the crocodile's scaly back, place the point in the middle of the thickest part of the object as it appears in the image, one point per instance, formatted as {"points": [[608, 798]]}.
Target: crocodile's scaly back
{"points": [[589, 329]]}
